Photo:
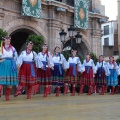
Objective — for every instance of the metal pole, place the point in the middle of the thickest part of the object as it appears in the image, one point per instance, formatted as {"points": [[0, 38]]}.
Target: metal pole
{"points": [[71, 43]]}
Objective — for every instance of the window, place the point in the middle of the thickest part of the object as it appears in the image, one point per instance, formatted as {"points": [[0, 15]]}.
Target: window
{"points": [[106, 30], [116, 52], [90, 6], [70, 2], [106, 41], [59, 0]]}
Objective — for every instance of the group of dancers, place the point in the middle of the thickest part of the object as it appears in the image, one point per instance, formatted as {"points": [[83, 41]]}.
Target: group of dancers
{"points": [[33, 70]]}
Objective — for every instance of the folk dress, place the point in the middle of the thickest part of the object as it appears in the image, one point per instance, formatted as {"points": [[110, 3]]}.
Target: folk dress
{"points": [[112, 79], [87, 77], [8, 69], [102, 73], [58, 72], [27, 73], [44, 64], [72, 75]]}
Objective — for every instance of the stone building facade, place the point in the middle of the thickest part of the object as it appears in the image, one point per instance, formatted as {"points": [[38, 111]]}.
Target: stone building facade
{"points": [[20, 27], [119, 26], [110, 38]]}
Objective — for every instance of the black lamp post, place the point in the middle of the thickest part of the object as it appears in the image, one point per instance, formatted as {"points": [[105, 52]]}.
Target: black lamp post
{"points": [[78, 38], [71, 32], [62, 36]]}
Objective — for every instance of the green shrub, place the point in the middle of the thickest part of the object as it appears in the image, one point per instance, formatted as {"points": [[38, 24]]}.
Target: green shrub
{"points": [[118, 61], [94, 57], [37, 41], [2, 34], [67, 54]]}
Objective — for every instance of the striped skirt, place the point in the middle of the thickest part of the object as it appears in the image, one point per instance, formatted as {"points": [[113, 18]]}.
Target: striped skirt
{"points": [[112, 79], [57, 75], [100, 78], [87, 77], [44, 77], [70, 78], [8, 74], [25, 74], [119, 80]]}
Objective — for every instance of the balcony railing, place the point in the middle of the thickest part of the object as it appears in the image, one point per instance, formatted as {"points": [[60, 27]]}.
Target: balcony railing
{"points": [[68, 2], [71, 3]]}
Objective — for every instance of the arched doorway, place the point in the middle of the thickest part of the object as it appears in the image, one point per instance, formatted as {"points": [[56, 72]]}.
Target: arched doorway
{"points": [[81, 47], [19, 37]]}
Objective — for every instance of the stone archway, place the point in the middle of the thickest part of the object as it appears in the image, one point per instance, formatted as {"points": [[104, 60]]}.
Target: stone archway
{"points": [[19, 37], [81, 47], [20, 29], [24, 23]]}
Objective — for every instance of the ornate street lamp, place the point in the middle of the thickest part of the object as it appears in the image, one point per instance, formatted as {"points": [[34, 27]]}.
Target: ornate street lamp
{"points": [[71, 31], [62, 36], [78, 38]]}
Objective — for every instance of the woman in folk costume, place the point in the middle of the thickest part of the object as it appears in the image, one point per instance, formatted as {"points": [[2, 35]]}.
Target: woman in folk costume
{"points": [[27, 70], [101, 75], [58, 73], [72, 75], [8, 69], [112, 79], [87, 77], [118, 72], [44, 76]]}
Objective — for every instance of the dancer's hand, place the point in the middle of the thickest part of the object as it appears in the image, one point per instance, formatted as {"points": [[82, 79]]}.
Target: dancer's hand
{"points": [[65, 70], [18, 66], [52, 68]]}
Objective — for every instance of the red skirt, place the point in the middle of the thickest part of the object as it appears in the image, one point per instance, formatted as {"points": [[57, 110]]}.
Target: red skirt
{"points": [[70, 78], [25, 76], [87, 78], [44, 77]]}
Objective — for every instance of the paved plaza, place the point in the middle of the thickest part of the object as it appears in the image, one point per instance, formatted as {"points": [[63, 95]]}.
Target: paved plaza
{"points": [[65, 107]]}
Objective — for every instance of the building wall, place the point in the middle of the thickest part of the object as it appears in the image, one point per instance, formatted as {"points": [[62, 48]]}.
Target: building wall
{"points": [[119, 25], [51, 23], [112, 47]]}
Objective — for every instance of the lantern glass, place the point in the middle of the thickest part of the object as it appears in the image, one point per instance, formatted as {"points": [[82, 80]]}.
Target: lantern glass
{"points": [[62, 35], [78, 37], [71, 31]]}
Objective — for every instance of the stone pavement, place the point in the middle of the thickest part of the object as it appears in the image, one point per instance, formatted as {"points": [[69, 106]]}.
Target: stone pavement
{"points": [[65, 107]]}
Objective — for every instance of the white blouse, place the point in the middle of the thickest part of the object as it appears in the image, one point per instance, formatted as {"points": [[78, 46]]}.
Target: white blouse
{"points": [[58, 59], [111, 66], [105, 66], [91, 64], [26, 57], [12, 53], [77, 61], [44, 58], [101, 64]]}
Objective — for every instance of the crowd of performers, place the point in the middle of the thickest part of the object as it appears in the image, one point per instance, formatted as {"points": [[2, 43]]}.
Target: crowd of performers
{"points": [[33, 70]]}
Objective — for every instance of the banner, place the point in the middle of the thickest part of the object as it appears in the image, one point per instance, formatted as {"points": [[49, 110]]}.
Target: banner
{"points": [[81, 14], [31, 8]]}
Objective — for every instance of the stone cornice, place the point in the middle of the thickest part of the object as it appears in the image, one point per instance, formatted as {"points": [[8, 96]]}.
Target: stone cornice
{"points": [[54, 4], [70, 8], [2, 14]]}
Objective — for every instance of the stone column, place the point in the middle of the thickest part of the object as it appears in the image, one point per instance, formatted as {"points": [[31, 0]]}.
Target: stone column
{"points": [[55, 24], [119, 26], [1, 13], [96, 46]]}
